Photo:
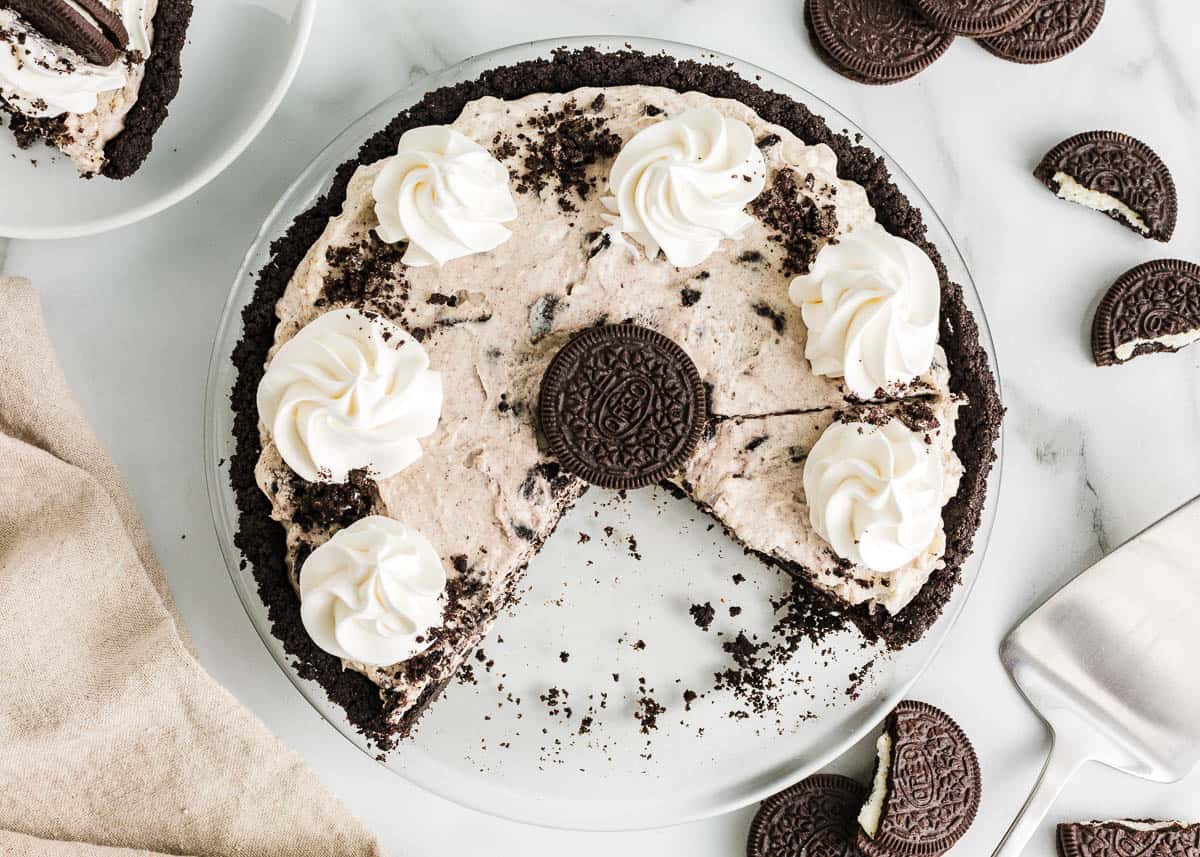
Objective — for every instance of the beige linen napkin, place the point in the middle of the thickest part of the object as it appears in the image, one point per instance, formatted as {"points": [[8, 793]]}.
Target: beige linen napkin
{"points": [[114, 742]]}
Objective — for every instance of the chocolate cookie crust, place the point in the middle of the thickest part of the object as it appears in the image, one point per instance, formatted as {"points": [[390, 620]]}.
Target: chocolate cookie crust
{"points": [[261, 539], [127, 151]]}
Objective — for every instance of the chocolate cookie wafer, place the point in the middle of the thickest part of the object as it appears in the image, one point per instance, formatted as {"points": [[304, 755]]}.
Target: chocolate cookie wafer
{"points": [[976, 17], [1151, 308], [814, 818], [1144, 838], [1055, 28], [876, 41]]}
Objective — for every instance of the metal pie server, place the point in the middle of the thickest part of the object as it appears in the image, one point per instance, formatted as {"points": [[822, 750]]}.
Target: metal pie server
{"points": [[1109, 661]]}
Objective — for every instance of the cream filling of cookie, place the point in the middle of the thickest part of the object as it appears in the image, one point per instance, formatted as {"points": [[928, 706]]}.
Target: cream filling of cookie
{"points": [[1073, 191], [85, 133], [484, 493], [1171, 341], [872, 809]]}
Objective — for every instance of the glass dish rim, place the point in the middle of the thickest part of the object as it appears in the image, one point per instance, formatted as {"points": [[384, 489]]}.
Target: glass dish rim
{"points": [[294, 201]]}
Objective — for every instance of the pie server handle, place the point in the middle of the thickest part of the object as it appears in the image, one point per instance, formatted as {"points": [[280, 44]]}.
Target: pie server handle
{"points": [[1070, 749]]}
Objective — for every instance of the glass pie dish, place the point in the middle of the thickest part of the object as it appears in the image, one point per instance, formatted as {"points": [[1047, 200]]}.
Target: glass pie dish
{"points": [[558, 722]]}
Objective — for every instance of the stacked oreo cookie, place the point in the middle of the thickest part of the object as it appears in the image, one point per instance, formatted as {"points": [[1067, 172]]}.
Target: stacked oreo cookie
{"points": [[886, 41], [923, 798]]}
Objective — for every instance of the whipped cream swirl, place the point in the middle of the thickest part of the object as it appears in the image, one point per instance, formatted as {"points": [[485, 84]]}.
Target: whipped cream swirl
{"points": [[871, 304], [874, 493], [43, 79], [682, 185], [349, 391], [372, 592], [445, 195]]}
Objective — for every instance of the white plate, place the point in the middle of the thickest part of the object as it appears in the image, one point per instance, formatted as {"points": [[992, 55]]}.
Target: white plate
{"points": [[595, 600], [240, 58]]}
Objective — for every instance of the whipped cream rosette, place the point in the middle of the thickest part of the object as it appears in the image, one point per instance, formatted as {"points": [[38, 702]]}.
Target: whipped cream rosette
{"points": [[372, 592], [445, 195], [682, 185], [875, 493], [871, 304], [349, 391]]}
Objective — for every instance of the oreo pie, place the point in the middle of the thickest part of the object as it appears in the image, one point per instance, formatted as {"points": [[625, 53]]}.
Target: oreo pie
{"points": [[91, 77], [467, 364]]}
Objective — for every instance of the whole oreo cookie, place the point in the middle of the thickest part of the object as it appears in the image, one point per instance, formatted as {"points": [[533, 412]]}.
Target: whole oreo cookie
{"points": [[1055, 28], [875, 41], [1117, 174], [90, 27], [814, 818], [1153, 307], [1119, 838], [622, 406], [927, 785], [976, 17]]}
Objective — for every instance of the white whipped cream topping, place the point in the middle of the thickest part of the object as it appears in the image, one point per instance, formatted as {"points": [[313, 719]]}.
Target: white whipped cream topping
{"points": [[1073, 191], [371, 591], [871, 304], [349, 391], [42, 78], [445, 195], [874, 493], [682, 185]]}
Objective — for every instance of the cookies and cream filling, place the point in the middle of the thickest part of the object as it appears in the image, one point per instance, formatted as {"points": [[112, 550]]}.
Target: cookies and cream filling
{"points": [[1072, 191], [42, 79], [484, 492]]}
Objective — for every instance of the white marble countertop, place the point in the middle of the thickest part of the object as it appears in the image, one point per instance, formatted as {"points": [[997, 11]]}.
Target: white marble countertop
{"points": [[1092, 454]]}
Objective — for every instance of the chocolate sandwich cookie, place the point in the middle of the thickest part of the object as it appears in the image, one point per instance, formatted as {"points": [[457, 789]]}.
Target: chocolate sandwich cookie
{"points": [[814, 818], [1116, 174], [1153, 307], [1142, 838], [1055, 28], [622, 406], [875, 41], [88, 27], [976, 17], [926, 788]]}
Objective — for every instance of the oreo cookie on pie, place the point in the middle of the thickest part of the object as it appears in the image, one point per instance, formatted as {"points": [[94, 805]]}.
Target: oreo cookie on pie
{"points": [[91, 77], [1151, 308], [1116, 174], [926, 787], [1144, 838], [622, 406]]}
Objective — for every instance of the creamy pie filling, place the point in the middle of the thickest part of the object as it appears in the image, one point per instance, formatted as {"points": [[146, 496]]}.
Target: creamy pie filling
{"points": [[484, 493]]}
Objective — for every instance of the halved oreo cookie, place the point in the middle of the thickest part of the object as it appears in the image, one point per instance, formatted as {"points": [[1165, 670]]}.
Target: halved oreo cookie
{"points": [[976, 17], [1116, 174], [88, 27], [926, 788], [1153, 307], [875, 41], [1117, 838], [814, 818], [622, 406], [1055, 28]]}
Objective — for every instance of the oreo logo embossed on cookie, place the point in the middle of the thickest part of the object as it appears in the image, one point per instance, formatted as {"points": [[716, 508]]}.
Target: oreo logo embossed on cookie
{"points": [[1055, 28], [622, 406], [1116, 174], [814, 818], [976, 17], [1153, 307], [926, 788], [875, 41]]}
